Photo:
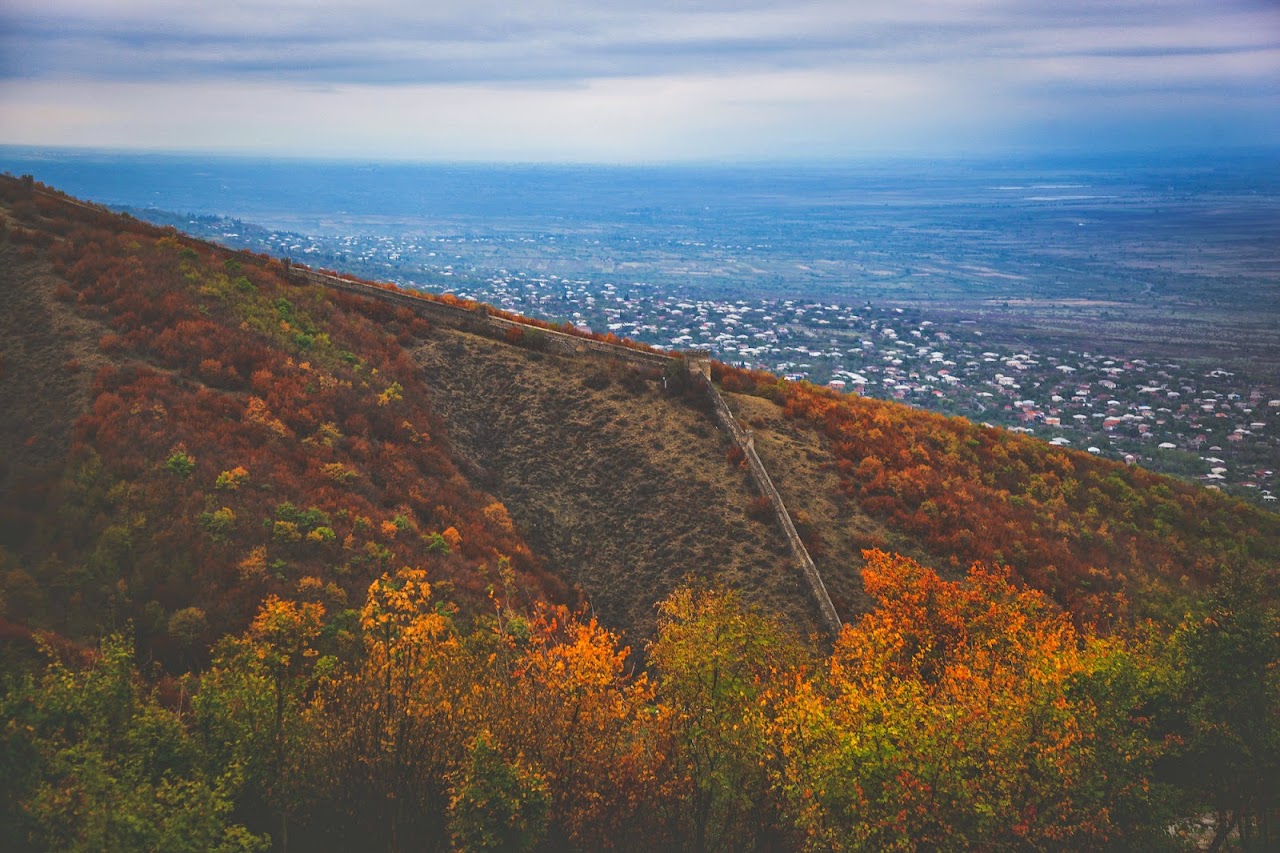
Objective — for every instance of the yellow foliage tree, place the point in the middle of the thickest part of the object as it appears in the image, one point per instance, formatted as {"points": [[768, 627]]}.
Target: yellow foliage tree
{"points": [[570, 706], [392, 728]]}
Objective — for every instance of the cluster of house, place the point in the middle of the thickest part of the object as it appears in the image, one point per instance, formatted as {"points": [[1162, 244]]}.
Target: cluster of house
{"points": [[1207, 424]]}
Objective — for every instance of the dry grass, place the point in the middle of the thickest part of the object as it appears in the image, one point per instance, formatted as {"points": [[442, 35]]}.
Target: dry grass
{"points": [[800, 462], [623, 489], [48, 357]]}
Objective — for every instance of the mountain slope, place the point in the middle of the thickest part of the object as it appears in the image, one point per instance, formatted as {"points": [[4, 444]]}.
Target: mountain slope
{"points": [[221, 432], [190, 429], [239, 436], [1107, 541], [335, 525], [622, 488]]}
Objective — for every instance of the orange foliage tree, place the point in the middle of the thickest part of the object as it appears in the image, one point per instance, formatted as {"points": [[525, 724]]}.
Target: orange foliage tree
{"points": [[965, 714]]}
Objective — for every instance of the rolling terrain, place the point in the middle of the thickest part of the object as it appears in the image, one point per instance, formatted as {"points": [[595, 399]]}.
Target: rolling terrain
{"points": [[292, 559], [610, 488]]}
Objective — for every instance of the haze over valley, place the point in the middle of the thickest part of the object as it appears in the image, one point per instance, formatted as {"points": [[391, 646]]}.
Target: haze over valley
{"points": [[1126, 306]]}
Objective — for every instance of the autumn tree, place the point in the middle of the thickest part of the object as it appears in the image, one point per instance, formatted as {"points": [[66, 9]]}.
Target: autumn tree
{"points": [[391, 728], [251, 702], [1226, 654], [91, 760], [962, 715], [714, 660], [497, 804], [567, 701]]}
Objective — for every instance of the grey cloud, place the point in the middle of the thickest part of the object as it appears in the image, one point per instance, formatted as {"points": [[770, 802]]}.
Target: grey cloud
{"points": [[1172, 51], [486, 42], [672, 78]]}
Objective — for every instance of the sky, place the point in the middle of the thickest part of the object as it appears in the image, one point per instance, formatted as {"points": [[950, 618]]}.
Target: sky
{"points": [[639, 81]]}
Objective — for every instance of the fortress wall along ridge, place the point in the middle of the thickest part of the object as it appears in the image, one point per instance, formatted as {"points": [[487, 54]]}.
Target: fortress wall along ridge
{"points": [[699, 364]]}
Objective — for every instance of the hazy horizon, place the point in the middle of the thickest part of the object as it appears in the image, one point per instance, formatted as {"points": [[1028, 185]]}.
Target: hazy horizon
{"points": [[1082, 156], [569, 81]]}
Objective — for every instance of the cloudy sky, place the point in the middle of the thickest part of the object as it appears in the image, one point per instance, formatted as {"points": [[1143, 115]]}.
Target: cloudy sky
{"points": [[638, 80]]}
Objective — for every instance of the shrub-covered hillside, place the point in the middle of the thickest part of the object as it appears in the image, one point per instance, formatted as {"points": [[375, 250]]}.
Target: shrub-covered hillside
{"points": [[1103, 539], [192, 430], [221, 435]]}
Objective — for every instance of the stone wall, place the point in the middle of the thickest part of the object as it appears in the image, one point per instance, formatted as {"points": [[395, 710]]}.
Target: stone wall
{"points": [[744, 440], [480, 320], [698, 362]]}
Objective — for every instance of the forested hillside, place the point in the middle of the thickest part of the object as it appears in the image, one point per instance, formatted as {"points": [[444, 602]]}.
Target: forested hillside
{"points": [[283, 566], [193, 430]]}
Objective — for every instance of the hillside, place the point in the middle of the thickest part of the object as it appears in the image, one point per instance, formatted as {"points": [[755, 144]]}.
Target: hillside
{"points": [[192, 429], [292, 560], [623, 488], [1109, 542]]}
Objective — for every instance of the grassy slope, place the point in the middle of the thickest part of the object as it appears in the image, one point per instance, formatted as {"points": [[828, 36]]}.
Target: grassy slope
{"points": [[48, 357], [621, 487]]}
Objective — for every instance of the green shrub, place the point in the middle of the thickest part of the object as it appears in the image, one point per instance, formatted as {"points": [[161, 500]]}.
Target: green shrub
{"points": [[180, 463]]}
